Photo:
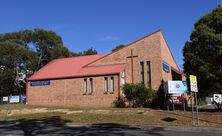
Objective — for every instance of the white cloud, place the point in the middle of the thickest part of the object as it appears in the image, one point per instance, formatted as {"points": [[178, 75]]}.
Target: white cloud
{"points": [[109, 38]]}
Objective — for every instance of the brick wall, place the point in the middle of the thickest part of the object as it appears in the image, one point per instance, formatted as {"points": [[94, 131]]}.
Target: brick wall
{"points": [[147, 49], [70, 92]]}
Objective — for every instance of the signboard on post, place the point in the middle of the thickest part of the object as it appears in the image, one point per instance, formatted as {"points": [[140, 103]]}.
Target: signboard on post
{"points": [[193, 83], [175, 99], [177, 87], [194, 89], [5, 99], [14, 99]]}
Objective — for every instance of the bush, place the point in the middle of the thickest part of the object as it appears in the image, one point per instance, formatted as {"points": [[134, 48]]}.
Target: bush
{"points": [[119, 103], [201, 102], [138, 95]]}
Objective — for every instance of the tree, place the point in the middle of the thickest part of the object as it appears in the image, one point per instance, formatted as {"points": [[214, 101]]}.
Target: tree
{"points": [[90, 51], [13, 57], [118, 47], [203, 53], [47, 44]]}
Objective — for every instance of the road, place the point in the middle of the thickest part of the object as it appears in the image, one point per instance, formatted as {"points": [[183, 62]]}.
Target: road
{"points": [[52, 127]]}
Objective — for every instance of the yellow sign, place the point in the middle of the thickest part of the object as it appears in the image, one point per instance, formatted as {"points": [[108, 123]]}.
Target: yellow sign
{"points": [[193, 83], [193, 78]]}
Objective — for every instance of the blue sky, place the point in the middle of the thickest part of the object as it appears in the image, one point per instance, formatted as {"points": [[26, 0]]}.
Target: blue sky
{"points": [[103, 24]]}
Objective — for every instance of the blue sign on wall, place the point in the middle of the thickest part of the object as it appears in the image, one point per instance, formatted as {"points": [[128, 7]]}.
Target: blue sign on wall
{"points": [[40, 83], [166, 67]]}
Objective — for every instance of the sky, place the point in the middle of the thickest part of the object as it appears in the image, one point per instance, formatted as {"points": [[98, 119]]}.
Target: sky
{"points": [[104, 24]]}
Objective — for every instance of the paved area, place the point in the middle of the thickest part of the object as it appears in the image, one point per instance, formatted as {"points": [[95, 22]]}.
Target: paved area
{"points": [[53, 127]]}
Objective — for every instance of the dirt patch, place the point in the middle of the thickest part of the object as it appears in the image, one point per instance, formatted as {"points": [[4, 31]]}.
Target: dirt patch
{"points": [[36, 110]]}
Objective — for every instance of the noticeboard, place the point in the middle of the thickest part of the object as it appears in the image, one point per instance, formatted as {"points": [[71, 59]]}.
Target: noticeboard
{"points": [[177, 87], [14, 99], [175, 99], [5, 99]]}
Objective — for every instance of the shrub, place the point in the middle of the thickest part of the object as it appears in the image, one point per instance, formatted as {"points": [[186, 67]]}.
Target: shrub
{"points": [[119, 103], [201, 102], [138, 95]]}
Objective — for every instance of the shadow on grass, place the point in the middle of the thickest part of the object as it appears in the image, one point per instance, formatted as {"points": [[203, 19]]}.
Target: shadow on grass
{"points": [[169, 119], [190, 117], [55, 125]]}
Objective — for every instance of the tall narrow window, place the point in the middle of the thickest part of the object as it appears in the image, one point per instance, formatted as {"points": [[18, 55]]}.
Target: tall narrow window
{"points": [[105, 85], [111, 84], [90, 86], [141, 72], [148, 74], [85, 86]]}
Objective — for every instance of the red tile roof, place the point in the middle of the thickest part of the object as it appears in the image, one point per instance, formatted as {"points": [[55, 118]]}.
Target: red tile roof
{"points": [[75, 67]]}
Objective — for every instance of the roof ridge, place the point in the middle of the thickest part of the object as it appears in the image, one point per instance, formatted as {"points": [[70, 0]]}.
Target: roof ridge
{"points": [[104, 65], [82, 56], [158, 30]]}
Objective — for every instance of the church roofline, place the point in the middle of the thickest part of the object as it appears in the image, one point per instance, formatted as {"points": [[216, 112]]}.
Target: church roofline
{"points": [[126, 46]]}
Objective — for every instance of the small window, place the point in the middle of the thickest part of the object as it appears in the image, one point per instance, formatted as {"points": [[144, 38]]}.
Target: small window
{"points": [[85, 87], [90, 86], [148, 74], [141, 72], [111, 85], [105, 85]]}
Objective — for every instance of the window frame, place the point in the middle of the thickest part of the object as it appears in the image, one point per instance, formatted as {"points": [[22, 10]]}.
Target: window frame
{"points": [[84, 86], [106, 85], [148, 72], [112, 85], [142, 72], [90, 86]]}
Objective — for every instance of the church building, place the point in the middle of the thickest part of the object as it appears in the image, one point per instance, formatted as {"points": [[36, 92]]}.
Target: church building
{"points": [[96, 80]]}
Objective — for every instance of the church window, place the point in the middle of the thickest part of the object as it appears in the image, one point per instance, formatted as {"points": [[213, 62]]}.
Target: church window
{"points": [[85, 87], [105, 85], [148, 74], [141, 72], [90, 86], [111, 84]]}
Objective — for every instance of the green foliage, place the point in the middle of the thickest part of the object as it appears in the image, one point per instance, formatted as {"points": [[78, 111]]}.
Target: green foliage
{"points": [[119, 103], [203, 53], [118, 47], [47, 44], [35, 48], [138, 94], [11, 54], [201, 102], [90, 51]]}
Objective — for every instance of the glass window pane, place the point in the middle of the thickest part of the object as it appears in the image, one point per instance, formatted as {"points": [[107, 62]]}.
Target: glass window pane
{"points": [[85, 86], [148, 74], [91, 86], [112, 84], [105, 85], [141, 72]]}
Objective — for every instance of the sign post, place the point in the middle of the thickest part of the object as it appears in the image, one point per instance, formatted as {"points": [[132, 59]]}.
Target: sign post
{"points": [[174, 92], [194, 89]]}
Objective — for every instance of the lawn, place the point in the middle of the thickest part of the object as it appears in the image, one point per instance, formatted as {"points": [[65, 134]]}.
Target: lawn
{"points": [[140, 116]]}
